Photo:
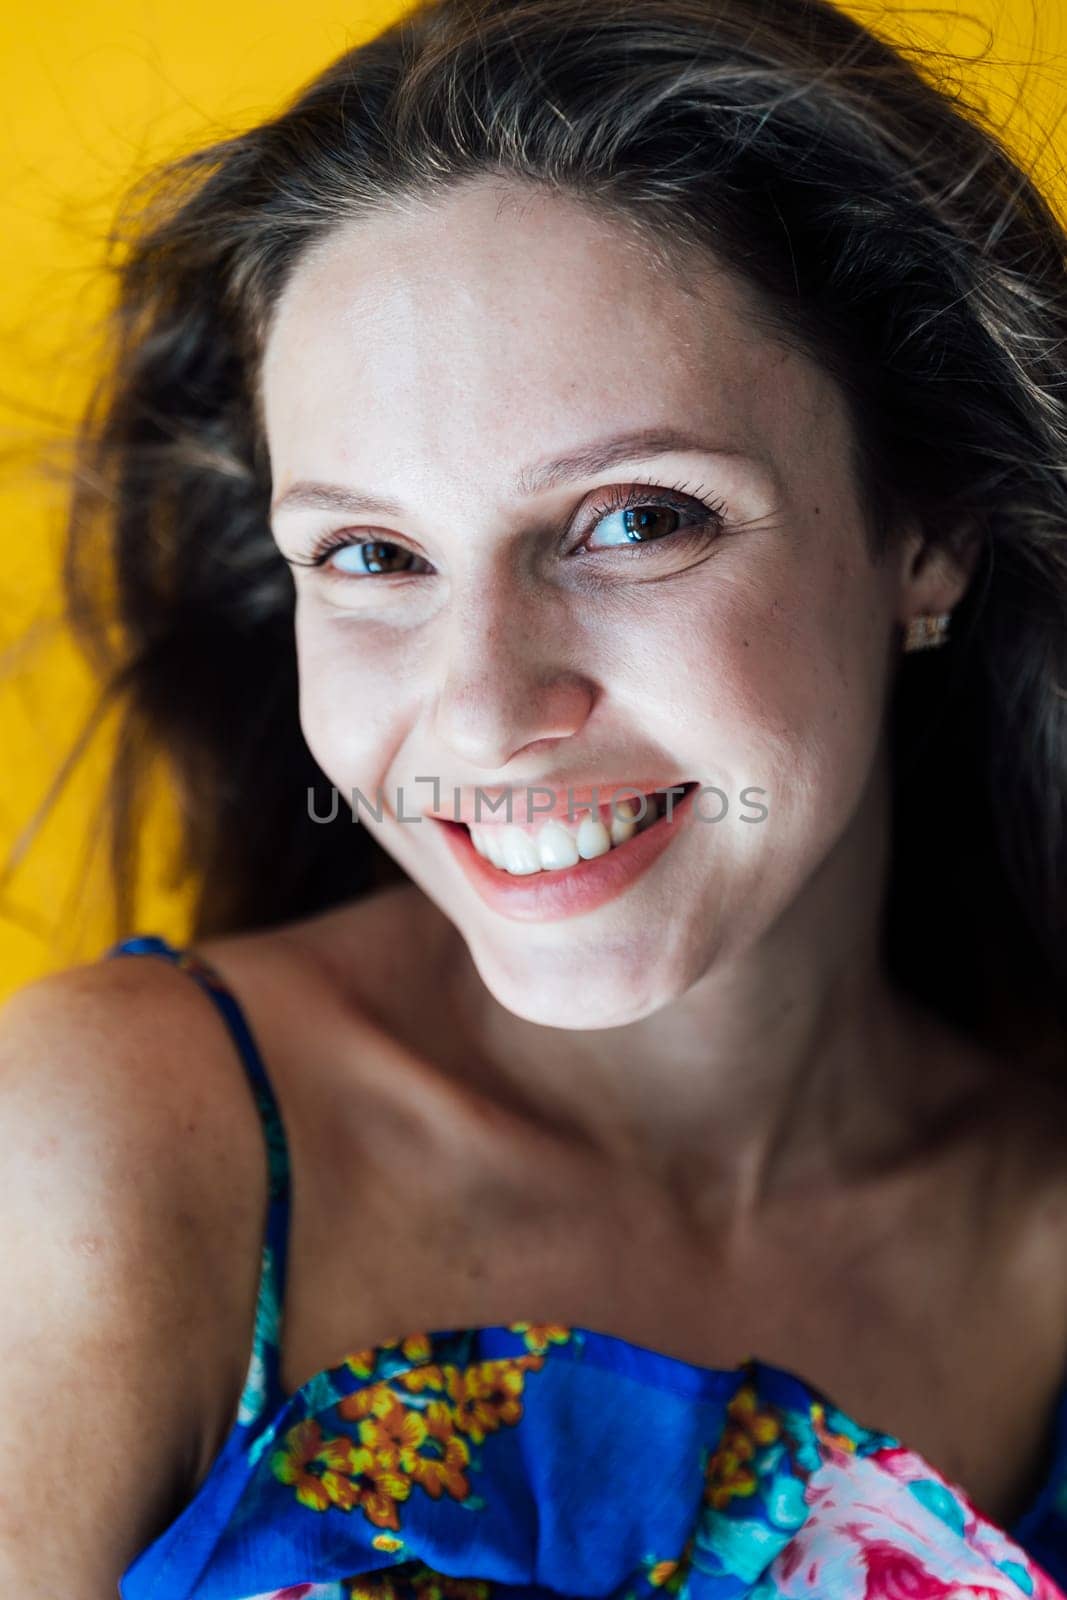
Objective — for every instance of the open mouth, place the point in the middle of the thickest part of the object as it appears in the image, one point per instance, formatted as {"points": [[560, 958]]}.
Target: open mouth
{"points": [[568, 845]]}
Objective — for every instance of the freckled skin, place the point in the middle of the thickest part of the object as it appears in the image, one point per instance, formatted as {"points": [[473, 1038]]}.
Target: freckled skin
{"points": [[709, 1078], [427, 356]]}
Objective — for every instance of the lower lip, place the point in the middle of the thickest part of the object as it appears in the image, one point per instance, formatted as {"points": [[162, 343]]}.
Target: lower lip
{"points": [[565, 891]]}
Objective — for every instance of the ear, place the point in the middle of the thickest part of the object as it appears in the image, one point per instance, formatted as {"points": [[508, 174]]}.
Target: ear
{"points": [[935, 577]]}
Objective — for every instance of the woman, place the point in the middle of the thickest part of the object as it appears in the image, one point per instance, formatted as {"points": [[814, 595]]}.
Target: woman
{"points": [[661, 399]]}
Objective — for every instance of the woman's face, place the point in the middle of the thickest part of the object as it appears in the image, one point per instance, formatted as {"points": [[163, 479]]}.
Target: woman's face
{"points": [[491, 625]]}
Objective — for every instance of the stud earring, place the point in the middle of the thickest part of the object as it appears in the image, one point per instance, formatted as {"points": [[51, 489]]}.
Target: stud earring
{"points": [[927, 631]]}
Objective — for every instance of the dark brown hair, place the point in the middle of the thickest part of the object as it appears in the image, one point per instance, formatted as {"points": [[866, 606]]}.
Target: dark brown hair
{"points": [[883, 228]]}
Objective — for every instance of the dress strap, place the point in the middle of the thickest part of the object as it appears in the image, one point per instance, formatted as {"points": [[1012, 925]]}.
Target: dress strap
{"points": [[262, 1387]]}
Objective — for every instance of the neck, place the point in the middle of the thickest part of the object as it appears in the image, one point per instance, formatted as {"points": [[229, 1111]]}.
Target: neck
{"points": [[790, 1066]]}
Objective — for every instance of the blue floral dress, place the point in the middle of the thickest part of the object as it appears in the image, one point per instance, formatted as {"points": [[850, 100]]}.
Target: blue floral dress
{"points": [[535, 1461]]}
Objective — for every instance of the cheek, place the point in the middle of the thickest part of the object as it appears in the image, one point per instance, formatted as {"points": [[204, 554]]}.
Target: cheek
{"points": [[349, 706], [779, 681]]}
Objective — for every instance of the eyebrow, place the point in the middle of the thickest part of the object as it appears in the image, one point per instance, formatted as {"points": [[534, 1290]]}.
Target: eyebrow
{"points": [[581, 463]]}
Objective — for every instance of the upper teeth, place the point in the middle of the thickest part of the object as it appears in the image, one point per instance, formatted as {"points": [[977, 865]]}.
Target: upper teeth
{"points": [[558, 843]]}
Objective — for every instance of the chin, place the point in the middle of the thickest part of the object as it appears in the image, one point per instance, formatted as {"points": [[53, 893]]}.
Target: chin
{"points": [[569, 998]]}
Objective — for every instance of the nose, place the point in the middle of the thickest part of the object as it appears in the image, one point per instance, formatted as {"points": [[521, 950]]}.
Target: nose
{"points": [[506, 678]]}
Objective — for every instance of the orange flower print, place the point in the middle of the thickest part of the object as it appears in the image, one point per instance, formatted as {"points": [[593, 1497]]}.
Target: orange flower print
{"points": [[485, 1396], [363, 1362], [312, 1464], [416, 1347], [666, 1575], [748, 1426], [417, 1584], [838, 1441], [443, 1473], [387, 1426], [539, 1335], [403, 1445], [423, 1443], [388, 1542], [670, 1575], [335, 1472], [430, 1376]]}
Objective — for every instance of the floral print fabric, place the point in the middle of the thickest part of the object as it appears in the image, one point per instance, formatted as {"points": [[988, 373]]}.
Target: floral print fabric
{"points": [[533, 1461]]}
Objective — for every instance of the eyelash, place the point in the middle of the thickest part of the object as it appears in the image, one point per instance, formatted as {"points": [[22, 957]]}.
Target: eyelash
{"points": [[675, 499]]}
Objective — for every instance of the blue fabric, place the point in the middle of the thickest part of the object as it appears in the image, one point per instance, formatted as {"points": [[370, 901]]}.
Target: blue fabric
{"points": [[533, 1461]]}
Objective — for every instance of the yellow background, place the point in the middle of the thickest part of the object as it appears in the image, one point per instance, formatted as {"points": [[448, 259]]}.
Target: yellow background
{"points": [[90, 95]]}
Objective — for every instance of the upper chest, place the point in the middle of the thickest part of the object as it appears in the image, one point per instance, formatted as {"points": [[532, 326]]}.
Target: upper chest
{"points": [[960, 1355], [938, 1314]]}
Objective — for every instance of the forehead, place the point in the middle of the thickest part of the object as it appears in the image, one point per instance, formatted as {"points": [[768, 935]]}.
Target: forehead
{"points": [[425, 332]]}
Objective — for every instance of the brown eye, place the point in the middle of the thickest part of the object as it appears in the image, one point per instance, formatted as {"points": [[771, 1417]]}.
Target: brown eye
{"points": [[366, 558], [642, 524], [379, 555], [641, 518]]}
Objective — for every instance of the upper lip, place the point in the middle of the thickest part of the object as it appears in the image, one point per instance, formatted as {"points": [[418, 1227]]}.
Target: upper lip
{"points": [[574, 798]]}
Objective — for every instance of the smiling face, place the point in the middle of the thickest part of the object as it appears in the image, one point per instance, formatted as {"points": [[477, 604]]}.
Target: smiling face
{"points": [[688, 596]]}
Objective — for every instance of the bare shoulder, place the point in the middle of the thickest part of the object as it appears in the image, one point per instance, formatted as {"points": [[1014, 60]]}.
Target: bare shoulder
{"points": [[129, 1047], [93, 1050], [111, 1080]]}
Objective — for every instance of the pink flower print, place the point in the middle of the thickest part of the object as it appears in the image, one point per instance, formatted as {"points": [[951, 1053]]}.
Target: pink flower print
{"points": [[869, 1537]]}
